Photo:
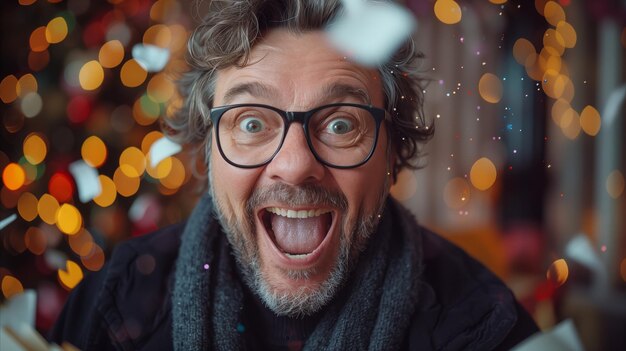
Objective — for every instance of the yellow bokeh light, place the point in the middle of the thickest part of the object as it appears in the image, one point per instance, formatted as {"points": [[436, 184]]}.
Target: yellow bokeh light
{"points": [[159, 35], [26, 84], [132, 74], [109, 192], [540, 5], [132, 162], [590, 120], [498, 2], [91, 75], [553, 83], [448, 11], [8, 89], [81, 243], [13, 176], [559, 108], [483, 174], [179, 37], [456, 193], [568, 33], [160, 88], [149, 139], [69, 219], [490, 88], [35, 240], [161, 170], [11, 286], [553, 42], [111, 54], [70, 277], [553, 13], [27, 206], [570, 124], [522, 50], [35, 149], [94, 151], [125, 185], [615, 184], [56, 30], [47, 207], [38, 40], [533, 69], [558, 272], [176, 176]]}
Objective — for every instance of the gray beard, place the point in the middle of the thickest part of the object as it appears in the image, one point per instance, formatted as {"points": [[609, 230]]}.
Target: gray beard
{"points": [[303, 301]]}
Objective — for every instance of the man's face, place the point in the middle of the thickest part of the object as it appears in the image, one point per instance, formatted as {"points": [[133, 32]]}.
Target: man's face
{"points": [[296, 265]]}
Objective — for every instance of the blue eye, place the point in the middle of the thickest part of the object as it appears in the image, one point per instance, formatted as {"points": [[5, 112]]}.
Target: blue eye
{"points": [[251, 125], [340, 126]]}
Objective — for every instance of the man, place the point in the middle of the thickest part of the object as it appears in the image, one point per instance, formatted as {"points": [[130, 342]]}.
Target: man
{"points": [[296, 245]]}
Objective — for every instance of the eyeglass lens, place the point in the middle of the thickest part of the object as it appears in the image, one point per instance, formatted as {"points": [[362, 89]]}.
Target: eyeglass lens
{"points": [[339, 135]]}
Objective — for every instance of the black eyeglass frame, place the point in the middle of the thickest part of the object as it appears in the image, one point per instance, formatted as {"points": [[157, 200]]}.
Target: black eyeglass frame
{"points": [[303, 117]]}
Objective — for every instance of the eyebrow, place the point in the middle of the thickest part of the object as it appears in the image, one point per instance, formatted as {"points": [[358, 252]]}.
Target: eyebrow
{"points": [[329, 92]]}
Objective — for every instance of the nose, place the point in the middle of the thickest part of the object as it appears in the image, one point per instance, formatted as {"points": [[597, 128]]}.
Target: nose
{"points": [[295, 164]]}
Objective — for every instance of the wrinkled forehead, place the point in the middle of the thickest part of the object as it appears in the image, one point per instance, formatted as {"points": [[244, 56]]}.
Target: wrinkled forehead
{"points": [[298, 67]]}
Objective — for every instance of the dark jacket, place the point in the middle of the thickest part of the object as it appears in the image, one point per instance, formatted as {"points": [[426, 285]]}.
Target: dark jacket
{"points": [[127, 305]]}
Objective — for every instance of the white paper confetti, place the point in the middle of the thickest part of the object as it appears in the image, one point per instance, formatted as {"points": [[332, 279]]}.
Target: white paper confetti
{"points": [[5, 222], [152, 58], [87, 181], [162, 149], [563, 337], [370, 32], [19, 309]]}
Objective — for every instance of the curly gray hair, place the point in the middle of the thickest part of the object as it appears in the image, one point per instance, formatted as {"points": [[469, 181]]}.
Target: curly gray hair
{"points": [[225, 38]]}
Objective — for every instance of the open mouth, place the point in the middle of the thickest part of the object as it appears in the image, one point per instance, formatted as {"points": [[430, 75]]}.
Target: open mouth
{"points": [[297, 233]]}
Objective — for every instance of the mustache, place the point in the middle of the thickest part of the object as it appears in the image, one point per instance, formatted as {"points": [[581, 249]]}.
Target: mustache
{"points": [[295, 196]]}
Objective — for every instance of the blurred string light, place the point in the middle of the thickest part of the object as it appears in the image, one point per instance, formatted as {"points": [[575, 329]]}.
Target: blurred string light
{"points": [[483, 174], [490, 88], [558, 272], [548, 67], [448, 11], [38, 185]]}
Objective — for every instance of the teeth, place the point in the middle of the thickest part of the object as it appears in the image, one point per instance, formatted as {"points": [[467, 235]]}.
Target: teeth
{"points": [[297, 256], [297, 214]]}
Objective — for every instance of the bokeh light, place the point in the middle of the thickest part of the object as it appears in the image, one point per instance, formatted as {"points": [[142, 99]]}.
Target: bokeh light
{"points": [[94, 151], [456, 193], [69, 219], [91, 75], [35, 148], [522, 50], [590, 120], [554, 13], [8, 89], [26, 84], [132, 74], [161, 170], [13, 176], [11, 286], [125, 185], [149, 139], [568, 33], [405, 186], [47, 207], [81, 243], [109, 192], [490, 88], [38, 41], [132, 162], [61, 186], [31, 104], [558, 272], [483, 174], [56, 30], [27, 206], [35, 240], [111, 54], [94, 260], [160, 88], [448, 11], [71, 276], [176, 176], [159, 35], [615, 184]]}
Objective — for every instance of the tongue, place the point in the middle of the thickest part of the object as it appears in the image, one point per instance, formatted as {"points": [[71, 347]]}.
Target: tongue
{"points": [[300, 235]]}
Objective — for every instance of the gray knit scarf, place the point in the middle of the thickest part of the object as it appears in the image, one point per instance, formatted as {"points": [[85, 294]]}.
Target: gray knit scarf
{"points": [[372, 311]]}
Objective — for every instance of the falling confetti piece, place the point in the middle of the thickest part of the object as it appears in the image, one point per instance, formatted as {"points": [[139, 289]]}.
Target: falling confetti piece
{"points": [[150, 57], [87, 181], [370, 32], [5, 222], [563, 337], [162, 149]]}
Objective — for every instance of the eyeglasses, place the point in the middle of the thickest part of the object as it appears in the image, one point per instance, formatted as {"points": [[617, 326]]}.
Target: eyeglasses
{"points": [[339, 135]]}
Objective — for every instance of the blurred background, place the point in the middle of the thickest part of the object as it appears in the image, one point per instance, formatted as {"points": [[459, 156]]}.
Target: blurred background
{"points": [[526, 170]]}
